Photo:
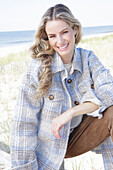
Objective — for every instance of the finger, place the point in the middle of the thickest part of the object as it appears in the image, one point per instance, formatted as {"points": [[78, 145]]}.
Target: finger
{"points": [[55, 131], [57, 135]]}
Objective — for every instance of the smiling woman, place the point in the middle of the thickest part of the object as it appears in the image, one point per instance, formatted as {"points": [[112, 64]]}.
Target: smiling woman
{"points": [[62, 38], [64, 108]]}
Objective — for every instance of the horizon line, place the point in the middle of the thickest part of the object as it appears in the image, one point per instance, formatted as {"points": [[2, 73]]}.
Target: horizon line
{"points": [[36, 28]]}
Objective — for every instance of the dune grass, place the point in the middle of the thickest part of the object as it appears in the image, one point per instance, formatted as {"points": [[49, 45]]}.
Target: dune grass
{"points": [[98, 40], [13, 57]]}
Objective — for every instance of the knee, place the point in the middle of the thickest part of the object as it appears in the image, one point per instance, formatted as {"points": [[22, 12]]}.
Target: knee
{"points": [[108, 117], [108, 113]]}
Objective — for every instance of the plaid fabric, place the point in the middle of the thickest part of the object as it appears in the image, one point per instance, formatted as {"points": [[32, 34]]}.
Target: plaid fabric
{"points": [[32, 143], [106, 149]]}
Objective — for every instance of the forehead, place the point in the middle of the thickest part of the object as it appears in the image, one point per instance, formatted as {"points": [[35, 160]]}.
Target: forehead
{"points": [[56, 26]]}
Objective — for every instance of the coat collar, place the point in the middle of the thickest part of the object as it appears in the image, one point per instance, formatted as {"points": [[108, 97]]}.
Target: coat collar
{"points": [[57, 64]]}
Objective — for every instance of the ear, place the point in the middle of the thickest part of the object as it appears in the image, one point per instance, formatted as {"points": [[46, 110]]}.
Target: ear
{"points": [[75, 30]]}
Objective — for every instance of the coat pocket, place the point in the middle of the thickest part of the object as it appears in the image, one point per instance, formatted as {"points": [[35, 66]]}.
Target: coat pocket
{"points": [[52, 105], [85, 86]]}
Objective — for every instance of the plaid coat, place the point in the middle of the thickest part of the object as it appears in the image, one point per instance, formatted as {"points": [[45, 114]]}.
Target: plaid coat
{"points": [[32, 144]]}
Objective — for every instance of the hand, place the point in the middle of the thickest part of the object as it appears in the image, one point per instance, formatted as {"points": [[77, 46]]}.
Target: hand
{"points": [[59, 122], [64, 118]]}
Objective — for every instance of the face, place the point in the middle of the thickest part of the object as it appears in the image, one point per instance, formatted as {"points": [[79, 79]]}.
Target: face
{"points": [[62, 38]]}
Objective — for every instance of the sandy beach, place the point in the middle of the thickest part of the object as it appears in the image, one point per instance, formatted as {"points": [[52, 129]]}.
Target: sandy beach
{"points": [[10, 78], [4, 51]]}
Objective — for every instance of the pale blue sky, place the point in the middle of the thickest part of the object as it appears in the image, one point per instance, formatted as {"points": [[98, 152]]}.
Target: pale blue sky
{"points": [[26, 14]]}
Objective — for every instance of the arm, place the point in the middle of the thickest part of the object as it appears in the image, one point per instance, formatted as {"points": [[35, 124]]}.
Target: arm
{"points": [[102, 93], [24, 130], [103, 82], [64, 118]]}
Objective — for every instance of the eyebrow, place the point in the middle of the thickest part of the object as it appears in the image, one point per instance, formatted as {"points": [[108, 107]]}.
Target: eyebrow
{"points": [[60, 31]]}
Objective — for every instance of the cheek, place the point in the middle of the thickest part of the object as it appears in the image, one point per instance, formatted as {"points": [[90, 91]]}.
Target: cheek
{"points": [[70, 37], [51, 42]]}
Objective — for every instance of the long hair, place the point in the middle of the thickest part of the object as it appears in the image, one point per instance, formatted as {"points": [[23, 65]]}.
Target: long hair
{"points": [[42, 49]]}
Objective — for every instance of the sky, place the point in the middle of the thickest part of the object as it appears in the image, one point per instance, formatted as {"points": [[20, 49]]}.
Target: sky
{"points": [[26, 14]]}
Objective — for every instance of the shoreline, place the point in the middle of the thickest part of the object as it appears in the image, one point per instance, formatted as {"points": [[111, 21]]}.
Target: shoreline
{"points": [[4, 51], [97, 35]]}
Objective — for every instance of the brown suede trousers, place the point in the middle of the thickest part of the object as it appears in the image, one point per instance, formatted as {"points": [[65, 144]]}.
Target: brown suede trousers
{"points": [[90, 133]]}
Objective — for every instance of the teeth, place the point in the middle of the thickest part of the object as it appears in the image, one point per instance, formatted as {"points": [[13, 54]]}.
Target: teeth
{"points": [[63, 46]]}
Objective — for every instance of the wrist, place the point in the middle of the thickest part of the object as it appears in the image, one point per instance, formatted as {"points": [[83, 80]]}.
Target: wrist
{"points": [[72, 112]]}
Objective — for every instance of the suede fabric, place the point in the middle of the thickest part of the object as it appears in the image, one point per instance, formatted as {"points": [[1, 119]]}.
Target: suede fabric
{"points": [[90, 133]]}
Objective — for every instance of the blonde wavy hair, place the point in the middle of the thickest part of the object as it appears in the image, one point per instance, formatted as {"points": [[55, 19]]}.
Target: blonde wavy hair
{"points": [[42, 49]]}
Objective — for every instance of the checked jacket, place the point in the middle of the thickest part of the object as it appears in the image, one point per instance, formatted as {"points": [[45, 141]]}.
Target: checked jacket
{"points": [[32, 144]]}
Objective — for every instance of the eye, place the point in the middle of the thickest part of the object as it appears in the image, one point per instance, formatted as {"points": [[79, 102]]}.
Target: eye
{"points": [[65, 32], [51, 36]]}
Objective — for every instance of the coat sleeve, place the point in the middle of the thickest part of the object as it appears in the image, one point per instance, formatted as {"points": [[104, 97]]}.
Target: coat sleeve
{"points": [[90, 96], [24, 131], [103, 82]]}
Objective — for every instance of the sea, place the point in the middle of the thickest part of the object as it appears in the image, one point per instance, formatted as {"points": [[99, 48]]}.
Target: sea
{"points": [[12, 38]]}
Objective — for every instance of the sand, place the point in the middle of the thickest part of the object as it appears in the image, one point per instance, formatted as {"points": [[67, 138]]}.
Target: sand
{"points": [[4, 51]]}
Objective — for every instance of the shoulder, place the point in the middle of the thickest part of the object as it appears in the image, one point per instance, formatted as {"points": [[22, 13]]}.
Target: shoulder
{"points": [[84, 55], [84, 52], [87, 55], [31, 76]]}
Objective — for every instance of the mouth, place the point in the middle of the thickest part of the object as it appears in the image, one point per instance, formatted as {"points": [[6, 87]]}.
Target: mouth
{"points": [[63, 47]]}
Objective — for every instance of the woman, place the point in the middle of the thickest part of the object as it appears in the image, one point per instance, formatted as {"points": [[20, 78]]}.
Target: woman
{"points": [[62, 84]]}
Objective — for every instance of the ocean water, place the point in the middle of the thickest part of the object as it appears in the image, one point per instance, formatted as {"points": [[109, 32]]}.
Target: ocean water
{"points": [[97, 30], [12, 38], [27, 37]]}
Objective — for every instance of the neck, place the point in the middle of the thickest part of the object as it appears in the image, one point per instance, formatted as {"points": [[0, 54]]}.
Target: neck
{"points": [[67, 60]]}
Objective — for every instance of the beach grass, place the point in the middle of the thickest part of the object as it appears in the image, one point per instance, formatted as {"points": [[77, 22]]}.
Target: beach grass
{"points": [[13, 57], [12, 69], [97, 39]]}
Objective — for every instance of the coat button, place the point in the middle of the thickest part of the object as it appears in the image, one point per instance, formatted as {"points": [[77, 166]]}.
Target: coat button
{"points": [[92, 86], [76, 103], [69, 81], [51, 97]]}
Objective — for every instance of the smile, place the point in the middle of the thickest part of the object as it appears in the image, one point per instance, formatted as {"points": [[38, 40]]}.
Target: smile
{"points": [[63, 47]]}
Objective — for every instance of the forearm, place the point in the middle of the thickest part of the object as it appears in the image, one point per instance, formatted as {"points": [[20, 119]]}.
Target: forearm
{"points": [[83, 108], [65, 117]]}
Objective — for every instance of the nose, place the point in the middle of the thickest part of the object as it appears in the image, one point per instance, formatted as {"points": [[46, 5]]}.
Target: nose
{"points": [[60, 40]]}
